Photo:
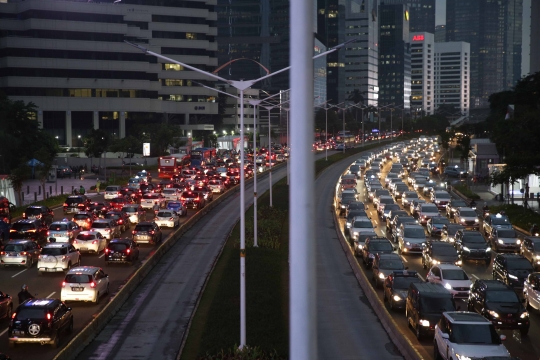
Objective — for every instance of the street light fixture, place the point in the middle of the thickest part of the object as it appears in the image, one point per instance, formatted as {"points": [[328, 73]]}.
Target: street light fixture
{"points": [[242, 85]]}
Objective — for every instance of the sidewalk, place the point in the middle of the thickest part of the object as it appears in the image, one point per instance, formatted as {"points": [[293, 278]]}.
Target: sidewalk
{"points": [[32, 190], [489, 198]]}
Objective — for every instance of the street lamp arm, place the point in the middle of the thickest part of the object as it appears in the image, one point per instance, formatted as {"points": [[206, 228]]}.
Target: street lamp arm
{"points": [[339, 46], [145, 50], [214, 89]]}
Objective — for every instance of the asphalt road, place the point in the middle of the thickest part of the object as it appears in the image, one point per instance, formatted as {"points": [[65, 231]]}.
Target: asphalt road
{"points": [[526, 348], [49, 285]]}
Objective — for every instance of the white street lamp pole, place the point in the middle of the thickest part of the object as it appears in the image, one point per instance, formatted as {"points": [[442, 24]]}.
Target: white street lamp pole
{"points": [[288, 146], [255, 102], [326, 125]]}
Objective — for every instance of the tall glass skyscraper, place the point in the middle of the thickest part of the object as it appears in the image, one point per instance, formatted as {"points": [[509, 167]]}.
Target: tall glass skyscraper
{"points": [[493, 29], [421, 14]]}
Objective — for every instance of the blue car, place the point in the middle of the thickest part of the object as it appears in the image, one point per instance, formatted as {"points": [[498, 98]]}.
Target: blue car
{"points": [[177, 206]]}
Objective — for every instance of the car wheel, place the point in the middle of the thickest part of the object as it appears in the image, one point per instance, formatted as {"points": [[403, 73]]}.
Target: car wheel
{"points": [[424, 263], [68, 267], [524, 331], [96, 299], [70, 327], [107, 290], [29, 263], [417, 332], [488, 261], [470, 307], [494, 275], [9, 312], [526, 303]]}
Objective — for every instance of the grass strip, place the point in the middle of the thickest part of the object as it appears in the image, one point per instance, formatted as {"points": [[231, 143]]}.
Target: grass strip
{"points": [[466, 191], [518, 215], [50, 202]]}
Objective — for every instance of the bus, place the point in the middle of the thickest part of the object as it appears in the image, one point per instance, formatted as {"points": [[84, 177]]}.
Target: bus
{"points": [[200, 156], [170, 166], [347, 138]]}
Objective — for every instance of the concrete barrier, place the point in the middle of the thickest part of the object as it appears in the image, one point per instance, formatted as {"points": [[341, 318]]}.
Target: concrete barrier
{"points": [[90, 331]]}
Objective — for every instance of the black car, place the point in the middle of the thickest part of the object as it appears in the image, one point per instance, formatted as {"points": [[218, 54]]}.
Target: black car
{"points": [[383, 265], [122, 219], [512, 269], [75, 203], [147, 232], [205, 191], [435, 225], [374, 246], [40, 321], [471, 245], [438, 252], [396, 285], [121, 251], [193, 200], [39, 212], [500, 304], [99, 209], [34, 230]]}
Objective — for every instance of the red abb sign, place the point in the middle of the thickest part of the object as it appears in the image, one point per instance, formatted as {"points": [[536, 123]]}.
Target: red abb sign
{"points": [[418, 38]]}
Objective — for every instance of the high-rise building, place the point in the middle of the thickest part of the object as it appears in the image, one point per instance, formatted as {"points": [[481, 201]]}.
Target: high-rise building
{"points": [[394, 56], [69, 58], [534, 36], [440, 33], [452, 82], [421, 14], [422, 73], [493, 29]]}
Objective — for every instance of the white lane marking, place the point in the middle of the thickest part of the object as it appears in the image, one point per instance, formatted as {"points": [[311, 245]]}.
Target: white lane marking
{"points": [[3, 332], [51, 294], [100, 256], [476, 277], [20, 272], [403, 258]]}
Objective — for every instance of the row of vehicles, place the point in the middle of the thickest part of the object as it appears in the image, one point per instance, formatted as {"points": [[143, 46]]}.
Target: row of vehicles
{"points": [[431, 304]]}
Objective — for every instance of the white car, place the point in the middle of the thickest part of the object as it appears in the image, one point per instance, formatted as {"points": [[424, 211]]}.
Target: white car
{"points": [[216, 186], [90, 241], [360, 225], [531, 291], [56, 257], [148, 200], [467, 217], [461, 335], [167, 218], [452, 277], [84, 283], [171, 194], [280, 158], [112, 192]]}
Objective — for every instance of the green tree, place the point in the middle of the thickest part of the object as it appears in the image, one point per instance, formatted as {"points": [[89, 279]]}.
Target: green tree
{"points": [[96, 143], [17, 178]]}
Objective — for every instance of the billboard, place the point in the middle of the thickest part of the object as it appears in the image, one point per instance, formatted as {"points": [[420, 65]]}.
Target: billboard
{"points": [[146, 149]]}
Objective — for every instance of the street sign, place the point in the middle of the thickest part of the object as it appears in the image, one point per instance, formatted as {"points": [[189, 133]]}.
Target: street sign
{"points": [[146, 149]]}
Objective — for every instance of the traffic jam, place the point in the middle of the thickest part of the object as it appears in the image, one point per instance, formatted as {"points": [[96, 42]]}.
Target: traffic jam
{"points": [[60, 266], [460, 282]]}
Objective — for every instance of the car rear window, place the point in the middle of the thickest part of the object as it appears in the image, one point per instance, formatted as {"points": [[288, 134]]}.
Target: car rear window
{"points": [[32, 211], [23, 226], [78, 278], [118, 200], [71, 201], [86, 237], [164, 214], [143, 228], [118, 246], [100, 225], [14, 247], [189, 195], [81, 216], [150, 196], [58, 227], [112, 188], [30, 313], [169, 191], [54, 251], [130, 209]]}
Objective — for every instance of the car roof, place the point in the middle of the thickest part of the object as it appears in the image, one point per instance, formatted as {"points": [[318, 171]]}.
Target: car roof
{"points": [[102, 220], [466, 317], [388, 256], [120, 240], [89, 232], [56, 245], [512, 256], [83, 270], [494, 285], [25, 221], [20, 241], [441, 244], [145, 223], [39, 303], [448, 267], [411, 225]]}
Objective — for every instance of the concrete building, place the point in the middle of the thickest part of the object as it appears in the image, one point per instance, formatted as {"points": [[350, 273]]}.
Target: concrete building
{"points": [[70, 59], [422, 73], [452, 75], [530, 62], [420, 13], [440, 33]]}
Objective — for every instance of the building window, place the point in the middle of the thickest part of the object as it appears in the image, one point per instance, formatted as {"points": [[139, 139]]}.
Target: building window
{"points": [[191, 36], [173, 67]]}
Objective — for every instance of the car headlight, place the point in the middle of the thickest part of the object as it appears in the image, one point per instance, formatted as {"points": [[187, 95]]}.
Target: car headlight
{"points": [[463, 357], [448, 286], [348, 224], [466, 249], [372, 256], [396, 298], [360, 246], [512, 276], [493, 313], [435, 262], [355, 233], [524, 315], [518, 241], [423, 322], [488, 249], [381, 276], [462, 220], [500, 241], [476, 220], [459, 263], [407, 243], [537, 257]]}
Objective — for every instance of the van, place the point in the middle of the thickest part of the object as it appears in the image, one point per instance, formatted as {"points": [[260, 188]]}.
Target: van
{"points": [[425, 304]]}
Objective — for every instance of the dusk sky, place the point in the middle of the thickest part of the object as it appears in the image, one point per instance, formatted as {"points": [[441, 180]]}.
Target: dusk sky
{"points": [[440, 12]]}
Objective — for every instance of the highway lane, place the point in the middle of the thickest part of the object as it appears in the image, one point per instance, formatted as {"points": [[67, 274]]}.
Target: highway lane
{"points": [[49, 285], [527, 348]]}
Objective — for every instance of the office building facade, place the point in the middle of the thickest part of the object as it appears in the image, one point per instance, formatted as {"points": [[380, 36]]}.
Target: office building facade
{"points": [[394, 57], [420, 13], [69, 58], [493, 29], [422, 73], [534, 62], [440, 33]]}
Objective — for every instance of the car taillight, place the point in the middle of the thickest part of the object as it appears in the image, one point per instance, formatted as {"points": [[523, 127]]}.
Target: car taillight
{"points": [[134, 232], [120, 221], [92, 284], [13, 315], [106, 250], [65, 204], [63, 283], [2, 253], [48, 233], [152, 232], [94, 242], [108, 230], [23, 253], [171, 219]]}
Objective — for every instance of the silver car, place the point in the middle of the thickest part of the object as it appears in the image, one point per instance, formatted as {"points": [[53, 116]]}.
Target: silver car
{"points": [[63, 231], [20, 253], [107, 228]]}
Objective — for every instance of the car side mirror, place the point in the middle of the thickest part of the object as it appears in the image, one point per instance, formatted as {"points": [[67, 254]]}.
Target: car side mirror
{"points": [[69, 309], [503, 337], [446, 336]]}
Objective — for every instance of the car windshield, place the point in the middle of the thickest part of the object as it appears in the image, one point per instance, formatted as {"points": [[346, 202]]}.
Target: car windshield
{"points": [[403, 282], [411, 196], [444, 250], [189, 195], [32, 211], [54, 251], [362, 224], [164, 214], [519, 264], [30, 313], [458, 203], [117, 246], [86, 237], [386, 201], [381, 246], [442, 196], [468, 213], [150, 196], [474, 238], [130, 209], [23, 226], [101, 225], [391, 264], [417, 233], [81, 216], [14, 247], [500, 221], [454, 274], [169, 191], [474, 334], [501, 296], [429, 209], [507, 233], [436, 305], [78, 278]]}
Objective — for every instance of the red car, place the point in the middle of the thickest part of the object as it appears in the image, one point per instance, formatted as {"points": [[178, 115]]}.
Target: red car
{"points": [[119, 202]]}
